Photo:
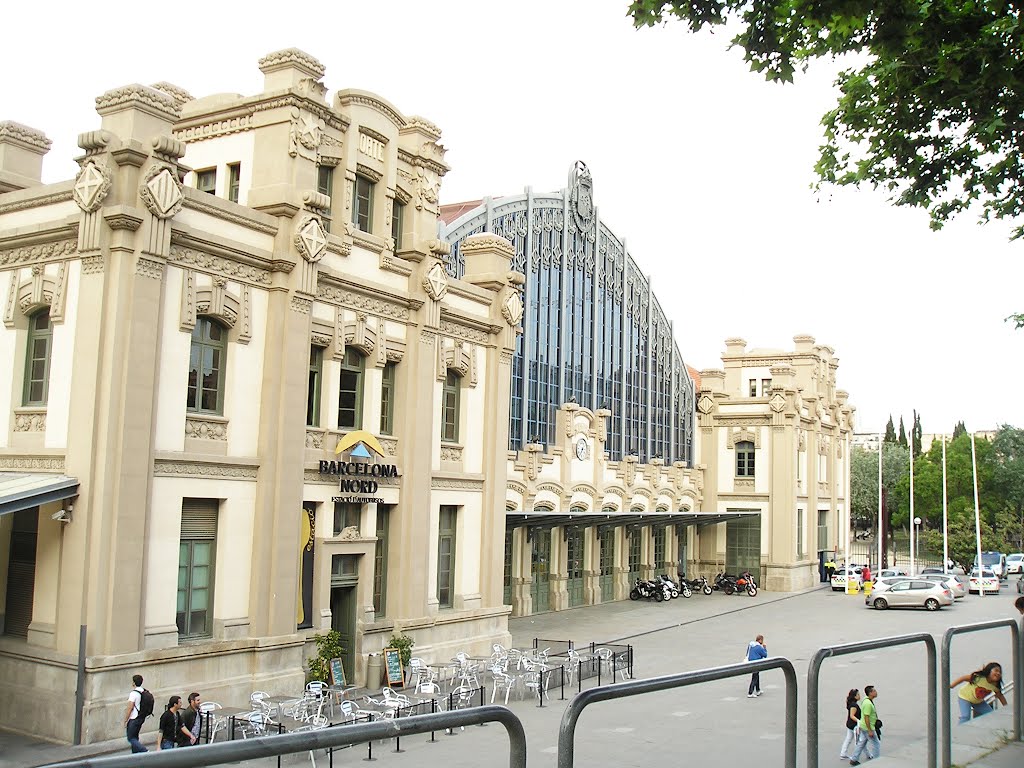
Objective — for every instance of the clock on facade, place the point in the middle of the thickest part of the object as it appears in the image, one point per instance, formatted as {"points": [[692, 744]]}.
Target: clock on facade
{"points": [[581, 448]]}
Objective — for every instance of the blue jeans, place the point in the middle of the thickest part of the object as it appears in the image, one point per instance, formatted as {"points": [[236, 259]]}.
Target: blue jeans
{"points": [[132, 734], [165, 744], [966, 707], [865, 743]]}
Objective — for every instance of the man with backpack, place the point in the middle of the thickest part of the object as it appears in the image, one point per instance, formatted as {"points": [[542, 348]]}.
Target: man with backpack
{"points": [[140, 706]]}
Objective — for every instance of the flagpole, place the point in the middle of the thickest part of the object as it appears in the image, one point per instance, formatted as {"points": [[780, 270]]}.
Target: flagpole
{"points": [[912, 526], [881, 446], [977, 520], [945, 519]]}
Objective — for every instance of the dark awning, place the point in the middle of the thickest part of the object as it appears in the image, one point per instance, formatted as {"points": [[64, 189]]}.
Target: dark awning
{"points": [[24, 490]]}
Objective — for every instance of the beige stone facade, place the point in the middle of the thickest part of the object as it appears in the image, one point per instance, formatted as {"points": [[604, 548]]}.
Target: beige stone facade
{"points": [[775, 436], [229, 287]]}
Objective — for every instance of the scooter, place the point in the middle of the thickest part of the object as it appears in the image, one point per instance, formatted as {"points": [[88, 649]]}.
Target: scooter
{"points": [[675, 589], [696, 585]]}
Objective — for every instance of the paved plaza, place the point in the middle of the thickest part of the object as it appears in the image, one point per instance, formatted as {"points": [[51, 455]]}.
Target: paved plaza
{"points": [[713, 723]]}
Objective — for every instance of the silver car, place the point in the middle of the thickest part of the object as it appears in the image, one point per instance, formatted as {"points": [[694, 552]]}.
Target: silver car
{"points": [[951, 582], [912, 593]]}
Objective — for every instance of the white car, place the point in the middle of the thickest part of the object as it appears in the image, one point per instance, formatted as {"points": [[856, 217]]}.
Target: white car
{"points": [[987, 581], [949, 581], [839, 577], [1015, 563], [889, 572], [909, 592]]}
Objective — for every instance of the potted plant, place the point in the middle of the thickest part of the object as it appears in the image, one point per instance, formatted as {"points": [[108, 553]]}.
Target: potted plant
{"points": [[328, 646]]}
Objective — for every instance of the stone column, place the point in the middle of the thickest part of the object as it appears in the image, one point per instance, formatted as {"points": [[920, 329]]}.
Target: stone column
{"points": [[21, 156]]}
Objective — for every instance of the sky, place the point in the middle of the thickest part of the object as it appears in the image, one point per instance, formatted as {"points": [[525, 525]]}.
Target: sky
{"points": [[703, 167]]}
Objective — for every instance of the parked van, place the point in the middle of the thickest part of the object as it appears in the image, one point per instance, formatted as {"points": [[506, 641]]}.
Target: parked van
{"points": [[994, 561]]}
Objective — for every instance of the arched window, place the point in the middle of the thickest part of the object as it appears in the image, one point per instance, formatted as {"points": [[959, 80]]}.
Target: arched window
{"points": [[350, 391], [37, 359], [450, 408], [744, 459], [207, 363]]}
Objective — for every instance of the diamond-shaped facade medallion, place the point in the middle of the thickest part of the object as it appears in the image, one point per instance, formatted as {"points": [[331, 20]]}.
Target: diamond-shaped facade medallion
{"points": [[91, 186], [512, 309], [777, 403], [311, 240], [705, 404], [164, 196], [435, 283]]}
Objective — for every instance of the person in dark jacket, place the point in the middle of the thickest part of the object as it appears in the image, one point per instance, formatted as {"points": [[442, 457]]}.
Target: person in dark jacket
{"points": [[170, 724], [188, 733]]}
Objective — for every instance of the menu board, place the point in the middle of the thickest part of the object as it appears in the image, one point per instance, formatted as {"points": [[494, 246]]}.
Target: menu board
{"points": [[337, 672], [393, 667]]}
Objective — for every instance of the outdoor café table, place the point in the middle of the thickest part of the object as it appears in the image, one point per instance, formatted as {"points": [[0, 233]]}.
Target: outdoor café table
{"points": [[231, 713], [277, 703], [339, 693]]}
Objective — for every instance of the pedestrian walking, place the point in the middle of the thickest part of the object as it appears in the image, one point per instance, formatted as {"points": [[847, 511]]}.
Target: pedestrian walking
{"points": [[868, 737], [140, 706], [170, 724], [756, 651], [191, 722], [975, 689], [852, 721]]}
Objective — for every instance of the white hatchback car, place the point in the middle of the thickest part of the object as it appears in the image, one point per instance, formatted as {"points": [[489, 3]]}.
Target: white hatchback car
{"points": [[949, 580], [987, 580], [1015, 563]]}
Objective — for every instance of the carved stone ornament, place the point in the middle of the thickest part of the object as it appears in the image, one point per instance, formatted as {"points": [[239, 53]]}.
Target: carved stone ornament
{"points": [[582, 197], [161, 192], [435, 282], [705, 404], [305, 134], [311, 240], [91, 186], [512, 309], [205, 429], [777, 403]]}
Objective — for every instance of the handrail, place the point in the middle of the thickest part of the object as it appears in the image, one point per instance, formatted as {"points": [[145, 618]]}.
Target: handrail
{"points": [[567, 729], [944, 671], [814, 669], [288, 743]]}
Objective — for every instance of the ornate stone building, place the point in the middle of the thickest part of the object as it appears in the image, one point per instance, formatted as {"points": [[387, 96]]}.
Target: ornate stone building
{"points": [[246, 401]]}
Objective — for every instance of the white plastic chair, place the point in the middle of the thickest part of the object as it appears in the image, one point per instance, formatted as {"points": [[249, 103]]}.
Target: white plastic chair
{"points": [[502, 682], [254, 724], [352, 711], [209, 709]]}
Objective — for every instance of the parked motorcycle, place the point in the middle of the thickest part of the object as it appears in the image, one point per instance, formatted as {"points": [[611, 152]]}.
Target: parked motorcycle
{"points": [[656, 590], [731, 585], [675, 589], [696, 585]]}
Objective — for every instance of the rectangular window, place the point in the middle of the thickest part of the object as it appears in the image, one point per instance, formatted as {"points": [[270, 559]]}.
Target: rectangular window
{"points": [[346, 516], [234, 180], [744, 459], [753, 388], [387, 400], [766, 387], [37, 359], [799, 533], [380, 561], [397, 223], [822, 529], [362, 203], [196, 559], [450, 409], [206, 181], [325, 186], [316, 362], [350, 392], [743, 545], [446, 555], [207, 358]]}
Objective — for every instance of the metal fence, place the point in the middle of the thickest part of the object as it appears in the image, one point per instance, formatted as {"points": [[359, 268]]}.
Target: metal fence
{"points": [[1018, 678], [323, 739], [814, 669], [567, 729]]}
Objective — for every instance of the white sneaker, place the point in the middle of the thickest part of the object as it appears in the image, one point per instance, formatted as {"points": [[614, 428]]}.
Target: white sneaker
{"points": [[757, 693], [751, 695]]}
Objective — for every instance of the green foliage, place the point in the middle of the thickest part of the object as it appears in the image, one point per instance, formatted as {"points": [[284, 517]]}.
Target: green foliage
{"points": [[959, 429], [915, 435], [903, 434], [929, 111], [328, 646], [404, 644], [890, 432], [1000, 490]]}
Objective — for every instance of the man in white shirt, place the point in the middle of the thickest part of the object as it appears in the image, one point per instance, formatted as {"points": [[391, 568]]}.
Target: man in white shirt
{"points": [[132, 716]]}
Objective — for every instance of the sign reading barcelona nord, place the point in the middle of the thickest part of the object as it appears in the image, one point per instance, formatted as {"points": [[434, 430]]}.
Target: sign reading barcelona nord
{"points": [[357, 474]]}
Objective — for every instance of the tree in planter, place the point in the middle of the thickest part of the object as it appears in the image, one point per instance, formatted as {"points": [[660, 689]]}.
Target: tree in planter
{"points": [[404, 644], [328, 646]]}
